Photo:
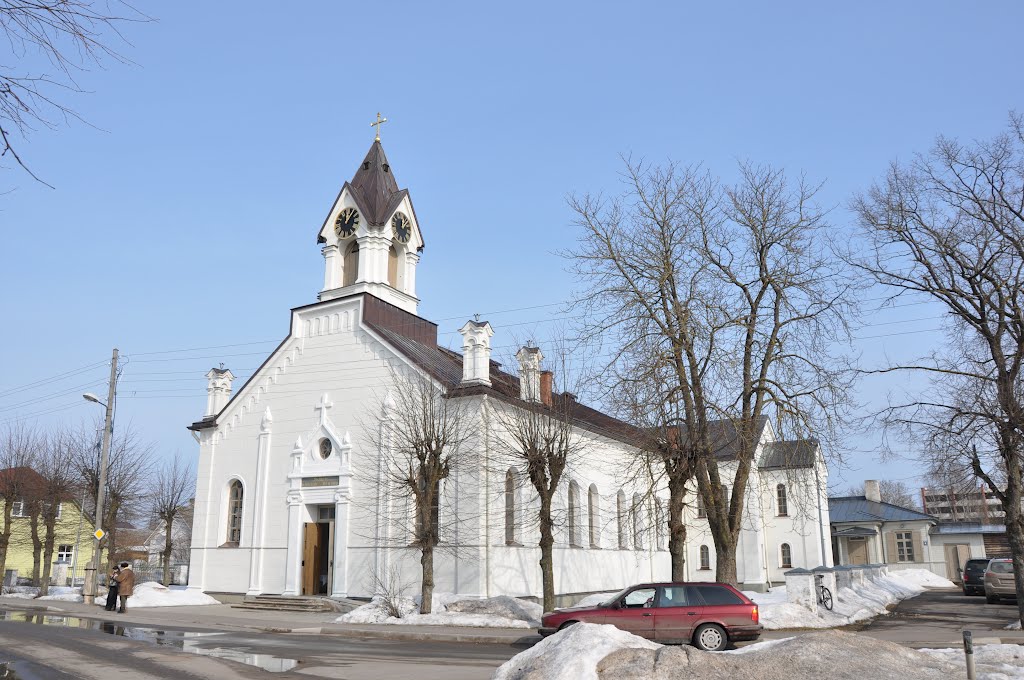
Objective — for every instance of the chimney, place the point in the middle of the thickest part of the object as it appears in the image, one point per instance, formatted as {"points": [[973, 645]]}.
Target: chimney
{"points": [[546, 378], [529, 373], [872, 491], [476, 352], [218, 389]]}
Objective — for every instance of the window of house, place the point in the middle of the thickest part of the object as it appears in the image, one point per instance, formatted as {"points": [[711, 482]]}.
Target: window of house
{"points": [[905, 546], [661, 529], [325, 513], [702, 512], [705, 558], [574, 514], [594, 516], [18, 509], [235, 512], [65, 553], [620, 508], [510, 507], [780, 500], [638, 528], [787, 556]]}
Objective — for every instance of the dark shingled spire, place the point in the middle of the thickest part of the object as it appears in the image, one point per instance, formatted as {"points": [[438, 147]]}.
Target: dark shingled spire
{"points": [[375, 186]]}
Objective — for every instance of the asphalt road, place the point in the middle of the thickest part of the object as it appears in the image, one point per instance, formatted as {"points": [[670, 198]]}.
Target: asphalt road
{"points": [[55, 647]]}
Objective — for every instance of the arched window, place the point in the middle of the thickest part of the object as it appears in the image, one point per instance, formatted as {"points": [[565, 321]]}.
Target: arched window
{"points": [[702, 512], [780, 498], [638, 523], [594, 515], [235, 512], [705, 558], [620, 510], [574, 514], [350, 265], [787, 556], [393, 267], [510, 507]]}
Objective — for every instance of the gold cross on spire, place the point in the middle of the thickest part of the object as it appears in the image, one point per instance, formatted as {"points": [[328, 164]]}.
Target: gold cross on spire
{"points": [[380, 121]]}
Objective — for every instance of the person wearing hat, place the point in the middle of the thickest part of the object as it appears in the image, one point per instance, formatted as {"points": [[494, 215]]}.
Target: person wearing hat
{"points": [[125, 584]]}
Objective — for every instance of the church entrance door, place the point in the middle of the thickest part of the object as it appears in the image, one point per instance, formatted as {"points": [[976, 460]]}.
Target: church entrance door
{"points": [[317, 548]]}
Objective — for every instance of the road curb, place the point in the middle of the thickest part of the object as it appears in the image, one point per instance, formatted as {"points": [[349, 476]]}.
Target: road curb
{"points": [[418, 636]]}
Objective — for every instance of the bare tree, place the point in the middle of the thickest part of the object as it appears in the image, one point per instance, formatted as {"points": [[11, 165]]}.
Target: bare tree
{"points": [[19, 446], [422, 442], [894, 492], [731, 293], [57, 487], [173, 486], [949, 227], [541, 444], [69, 35]]}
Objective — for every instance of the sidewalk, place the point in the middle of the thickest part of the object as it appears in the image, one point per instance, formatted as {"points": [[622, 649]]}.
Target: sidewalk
{"points": [[224, 618]]}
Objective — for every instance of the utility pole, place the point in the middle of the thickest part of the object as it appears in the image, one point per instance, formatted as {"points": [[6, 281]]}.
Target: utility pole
{"points": [[89, 588]]}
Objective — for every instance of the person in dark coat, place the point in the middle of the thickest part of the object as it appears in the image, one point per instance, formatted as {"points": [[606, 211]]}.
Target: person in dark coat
{"points": [[125, 585], [112, 590]]}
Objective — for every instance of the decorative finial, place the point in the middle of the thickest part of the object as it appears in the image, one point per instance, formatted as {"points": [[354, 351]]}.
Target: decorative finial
{"points": [[476, 317], [380, 121]]}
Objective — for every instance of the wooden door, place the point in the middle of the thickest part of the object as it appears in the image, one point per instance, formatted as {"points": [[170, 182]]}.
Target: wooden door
{"points": [[310, 550], [330, 557], [858, 550]]}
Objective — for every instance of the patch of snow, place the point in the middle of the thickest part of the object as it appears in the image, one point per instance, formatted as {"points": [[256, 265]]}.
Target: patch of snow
{"points": [[570, 654], [156, 595], [993, 662], [56, 593], [451, 610], [1013, 626], [851, 604]]}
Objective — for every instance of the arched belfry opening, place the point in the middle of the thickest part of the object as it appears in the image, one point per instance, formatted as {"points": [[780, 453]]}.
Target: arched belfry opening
{"points": [[350, 265], [393, 266]]}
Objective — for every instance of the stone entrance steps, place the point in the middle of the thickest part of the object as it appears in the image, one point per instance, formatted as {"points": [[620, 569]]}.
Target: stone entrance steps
{"points": [[282, 603]]}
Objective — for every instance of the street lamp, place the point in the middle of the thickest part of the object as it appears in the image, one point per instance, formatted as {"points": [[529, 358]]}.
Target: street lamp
{"points": [[89, 587]]}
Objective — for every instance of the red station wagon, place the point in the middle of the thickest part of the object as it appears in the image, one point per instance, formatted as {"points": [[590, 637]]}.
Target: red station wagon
{"points": [[709, 615]]}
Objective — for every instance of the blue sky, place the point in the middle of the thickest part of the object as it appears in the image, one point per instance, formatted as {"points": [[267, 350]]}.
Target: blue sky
{"points": [[185, 214]]}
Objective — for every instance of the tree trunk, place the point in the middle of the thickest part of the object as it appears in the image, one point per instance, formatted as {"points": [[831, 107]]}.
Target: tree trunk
{"points": [[48, 524], [547, 562], [5, 540], [676, 528], [37, 547], [1015, 527], [167, 552], [427, 584], [725, 562]]}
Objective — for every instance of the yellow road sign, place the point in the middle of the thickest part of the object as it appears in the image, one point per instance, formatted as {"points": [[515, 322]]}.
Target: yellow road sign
{"points": [[99, 534]]}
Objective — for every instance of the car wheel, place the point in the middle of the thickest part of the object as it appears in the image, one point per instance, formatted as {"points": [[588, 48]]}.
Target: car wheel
{"points": [[711, 638], [567, 624], [991, 599]]}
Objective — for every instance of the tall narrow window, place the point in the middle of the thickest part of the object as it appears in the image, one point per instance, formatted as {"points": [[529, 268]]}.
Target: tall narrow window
{"points": [[705, 558], [638, 525], [350, 265], [18, 508], [510, 507], [620, 511], [594, 516], [781, 501], [574, 514], [235, 512], [660, 526], [701, 510], [787, 556], [393, 267]]}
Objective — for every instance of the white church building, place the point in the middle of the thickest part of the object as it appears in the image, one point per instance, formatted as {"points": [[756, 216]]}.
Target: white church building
{"points": [[286, 502]]}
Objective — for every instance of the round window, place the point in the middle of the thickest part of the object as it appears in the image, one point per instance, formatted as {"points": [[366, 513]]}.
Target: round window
{"points": [[325, 448]]}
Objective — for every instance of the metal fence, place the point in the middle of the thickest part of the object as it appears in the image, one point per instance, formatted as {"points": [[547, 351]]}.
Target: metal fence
{"points": [[73, 575]]}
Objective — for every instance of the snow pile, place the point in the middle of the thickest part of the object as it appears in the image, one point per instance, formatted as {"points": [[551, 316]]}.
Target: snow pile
{"points": [[451, 610], [57, 593], [571, 654], [156, 595], [852, 604], [603, 652]]}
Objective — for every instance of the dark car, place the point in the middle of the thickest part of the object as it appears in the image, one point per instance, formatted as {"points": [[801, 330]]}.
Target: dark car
{"points": [[974, 576], [708, 615]]}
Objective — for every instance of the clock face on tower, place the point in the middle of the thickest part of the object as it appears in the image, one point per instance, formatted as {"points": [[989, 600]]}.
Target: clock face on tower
{"points": [[402, 226], [347, 223]]}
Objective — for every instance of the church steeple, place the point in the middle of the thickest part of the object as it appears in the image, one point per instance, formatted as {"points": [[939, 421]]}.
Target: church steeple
{"points": [[371, 237]]}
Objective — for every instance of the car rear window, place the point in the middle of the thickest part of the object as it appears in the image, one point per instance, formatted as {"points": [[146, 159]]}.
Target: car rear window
{"points": [[717, 595], [1001, 567], [974, 566]]}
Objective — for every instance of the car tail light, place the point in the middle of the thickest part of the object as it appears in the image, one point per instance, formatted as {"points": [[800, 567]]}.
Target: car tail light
{"points": [[754, 615]]}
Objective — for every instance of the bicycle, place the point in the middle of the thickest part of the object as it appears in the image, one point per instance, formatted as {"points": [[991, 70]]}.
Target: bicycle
{"points": [[824, 594]]}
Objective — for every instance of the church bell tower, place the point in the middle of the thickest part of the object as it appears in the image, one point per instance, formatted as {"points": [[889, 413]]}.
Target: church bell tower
{"points": [[371, 238]]}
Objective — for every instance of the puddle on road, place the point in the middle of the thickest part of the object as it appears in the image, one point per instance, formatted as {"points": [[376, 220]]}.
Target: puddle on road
{"points": [[184, 640]]}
